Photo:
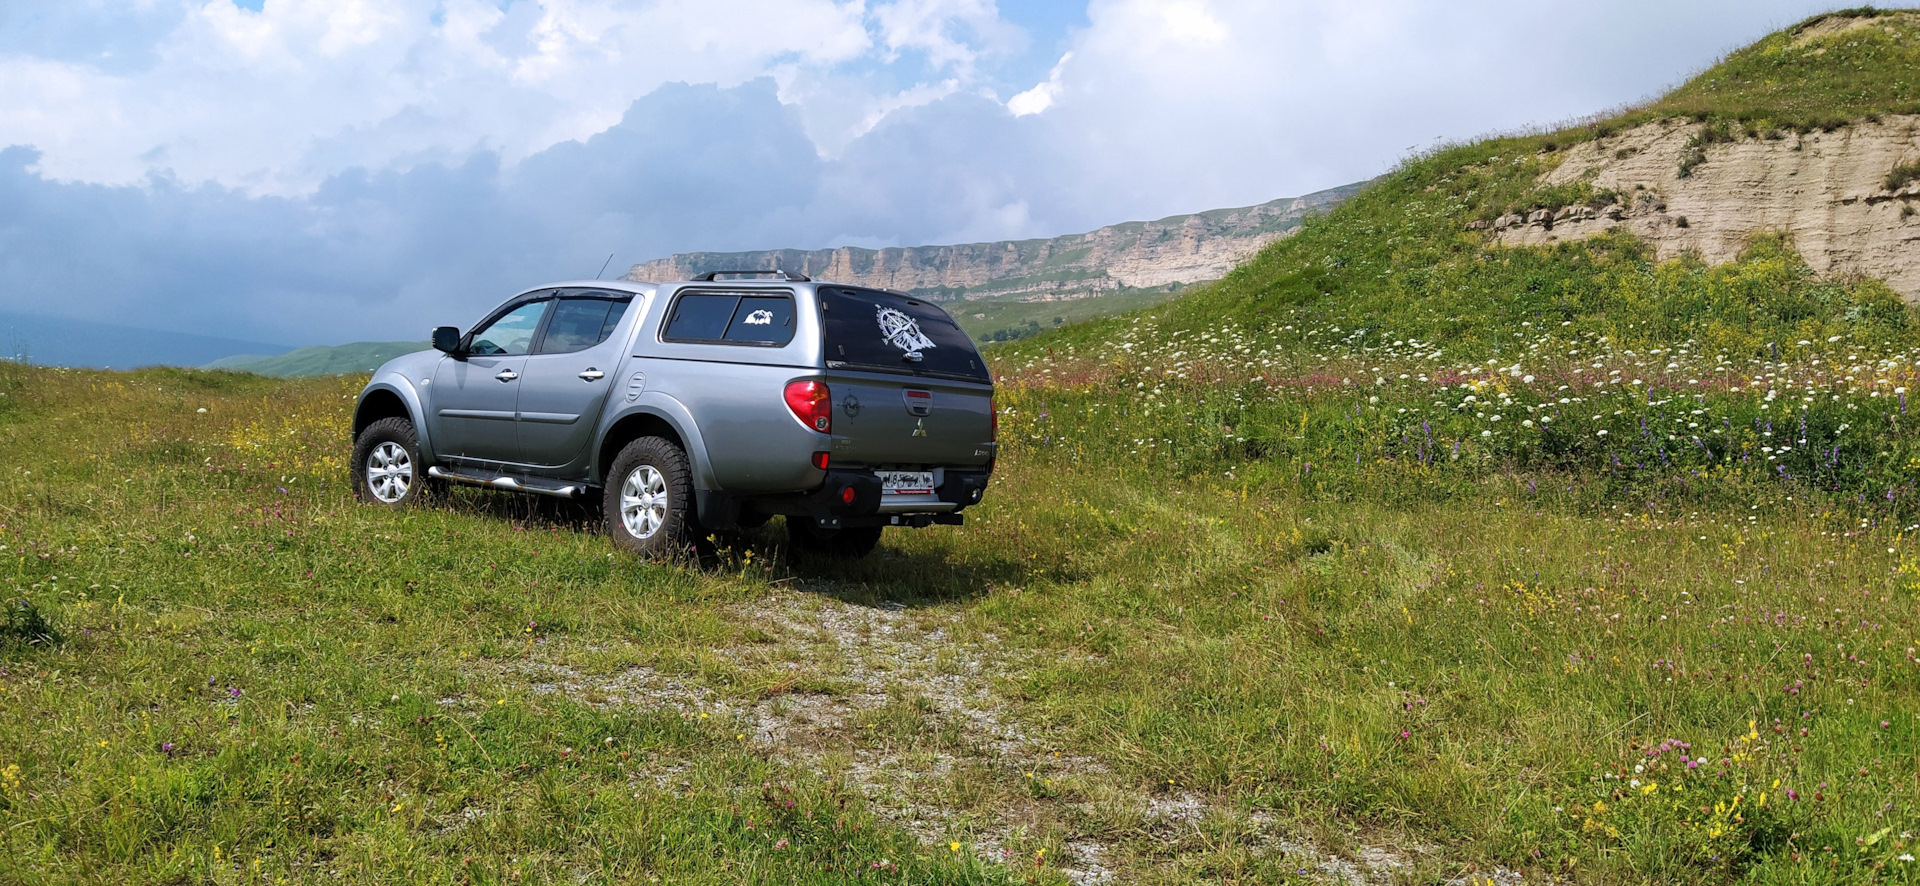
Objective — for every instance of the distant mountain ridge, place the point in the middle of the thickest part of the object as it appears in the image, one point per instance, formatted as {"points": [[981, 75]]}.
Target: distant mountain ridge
{"points": [[59, 341], [1165, 253]]}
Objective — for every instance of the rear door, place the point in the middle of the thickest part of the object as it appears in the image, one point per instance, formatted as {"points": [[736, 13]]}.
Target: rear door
{"points": [[909, 389], [567, 376]]}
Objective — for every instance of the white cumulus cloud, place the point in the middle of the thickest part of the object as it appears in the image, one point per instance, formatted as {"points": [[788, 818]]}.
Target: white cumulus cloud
{"points": [[1040, 97], [276, 99]]}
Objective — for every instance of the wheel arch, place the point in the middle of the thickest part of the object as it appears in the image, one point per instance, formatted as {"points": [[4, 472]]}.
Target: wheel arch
{"points": [[383, 400], [652, 420]]}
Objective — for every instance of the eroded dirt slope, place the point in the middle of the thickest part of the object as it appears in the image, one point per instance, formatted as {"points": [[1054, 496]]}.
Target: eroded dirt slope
{"points": [[1826, 189]]}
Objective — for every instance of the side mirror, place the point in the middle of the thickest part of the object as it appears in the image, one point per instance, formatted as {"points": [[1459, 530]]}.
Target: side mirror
{"points": [[446, 339]]}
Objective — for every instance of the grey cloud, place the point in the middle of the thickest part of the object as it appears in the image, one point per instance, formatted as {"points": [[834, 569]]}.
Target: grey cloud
{"points": [[385, 254], [947, 171]]}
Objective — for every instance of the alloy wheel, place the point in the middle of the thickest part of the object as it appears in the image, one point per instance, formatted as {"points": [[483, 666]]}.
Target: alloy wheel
{"points": [[389, 472], [643, 501]]}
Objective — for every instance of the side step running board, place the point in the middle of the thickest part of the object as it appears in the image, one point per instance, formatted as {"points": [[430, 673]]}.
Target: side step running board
{"points": [[509, 482]]}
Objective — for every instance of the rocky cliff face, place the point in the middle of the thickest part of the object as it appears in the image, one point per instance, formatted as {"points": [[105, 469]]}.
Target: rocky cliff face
{"points": [[1836, 193], [1135, 255]]}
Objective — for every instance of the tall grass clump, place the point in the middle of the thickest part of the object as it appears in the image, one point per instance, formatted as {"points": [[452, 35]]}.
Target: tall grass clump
{"points": [[25, 625]]}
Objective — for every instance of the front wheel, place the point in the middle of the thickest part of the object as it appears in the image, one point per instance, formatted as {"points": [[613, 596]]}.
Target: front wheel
{"points": [[649, 500], [386, 464], [844, 544]]}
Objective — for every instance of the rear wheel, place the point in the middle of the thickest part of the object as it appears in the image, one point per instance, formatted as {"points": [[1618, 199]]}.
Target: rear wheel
{"points": [[649, 500], [850, 543], [386, 464]]}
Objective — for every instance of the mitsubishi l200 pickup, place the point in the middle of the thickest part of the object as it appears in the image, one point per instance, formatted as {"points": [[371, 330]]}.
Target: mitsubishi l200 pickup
{"points": [[694, 407]]}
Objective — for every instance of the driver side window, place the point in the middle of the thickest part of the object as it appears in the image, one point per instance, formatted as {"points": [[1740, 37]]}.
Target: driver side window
{"points": [[510, 334]]}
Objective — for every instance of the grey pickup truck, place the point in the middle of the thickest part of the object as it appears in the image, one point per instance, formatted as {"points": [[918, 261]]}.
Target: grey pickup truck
{"points": [[695, 407]]}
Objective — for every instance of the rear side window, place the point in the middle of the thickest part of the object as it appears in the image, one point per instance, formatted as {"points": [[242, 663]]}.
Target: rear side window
{"points": [[580, 323], [868, 329], [731, 318], [614, 314]]}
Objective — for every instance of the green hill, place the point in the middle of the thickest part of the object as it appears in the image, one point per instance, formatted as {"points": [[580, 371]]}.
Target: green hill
{"points": [[1399, 258], [364, 356]]}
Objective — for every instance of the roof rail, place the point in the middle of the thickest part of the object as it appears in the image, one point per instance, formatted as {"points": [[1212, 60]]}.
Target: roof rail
{"points": [[791, 278]]}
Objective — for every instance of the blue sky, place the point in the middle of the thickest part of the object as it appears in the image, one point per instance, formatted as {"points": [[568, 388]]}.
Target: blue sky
{"points": [[312, 171], [1048, 23]]}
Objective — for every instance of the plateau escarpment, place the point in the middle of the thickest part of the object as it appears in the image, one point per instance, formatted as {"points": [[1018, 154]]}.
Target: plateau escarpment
{"points": [[1167, 253]]}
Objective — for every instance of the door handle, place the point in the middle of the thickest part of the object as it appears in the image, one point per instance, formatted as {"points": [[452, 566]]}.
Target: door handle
{"points": [[507, 375], [592, 374]]}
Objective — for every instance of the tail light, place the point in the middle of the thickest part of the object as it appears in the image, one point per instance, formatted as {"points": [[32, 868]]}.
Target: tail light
{"points": [[993, 409], [812, 404], [820, 460]]}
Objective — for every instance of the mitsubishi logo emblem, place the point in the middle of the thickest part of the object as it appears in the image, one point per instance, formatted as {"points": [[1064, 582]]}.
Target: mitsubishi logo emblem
{"points": [[919, 427]]}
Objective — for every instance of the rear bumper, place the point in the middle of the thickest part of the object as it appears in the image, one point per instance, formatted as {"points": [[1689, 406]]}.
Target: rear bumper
{"points": [[855, 498], [957, 489]]}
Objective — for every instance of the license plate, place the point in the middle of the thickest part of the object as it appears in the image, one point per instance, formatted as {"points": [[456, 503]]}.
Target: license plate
{"points": [[906, 482]]}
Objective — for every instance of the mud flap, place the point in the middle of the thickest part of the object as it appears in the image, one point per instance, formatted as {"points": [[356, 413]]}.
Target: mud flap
{"points": [[715, 510]]}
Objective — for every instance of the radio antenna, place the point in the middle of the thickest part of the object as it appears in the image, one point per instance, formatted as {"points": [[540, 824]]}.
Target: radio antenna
{"points": [[603, 265]]}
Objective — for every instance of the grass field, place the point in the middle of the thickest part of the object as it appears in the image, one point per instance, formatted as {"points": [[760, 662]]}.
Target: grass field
{"points": [[1152, 664]]}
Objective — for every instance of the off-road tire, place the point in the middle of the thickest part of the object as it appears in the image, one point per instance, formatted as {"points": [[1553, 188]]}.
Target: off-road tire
{"points": [[380, 449], [851, 543], [669, 529]]}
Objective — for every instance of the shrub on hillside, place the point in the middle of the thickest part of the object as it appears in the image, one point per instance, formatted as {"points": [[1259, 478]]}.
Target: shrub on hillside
{"points": [[1903, 175]]}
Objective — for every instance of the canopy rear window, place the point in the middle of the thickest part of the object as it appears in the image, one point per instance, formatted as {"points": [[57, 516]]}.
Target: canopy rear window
{"points": [[869, 329]]}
